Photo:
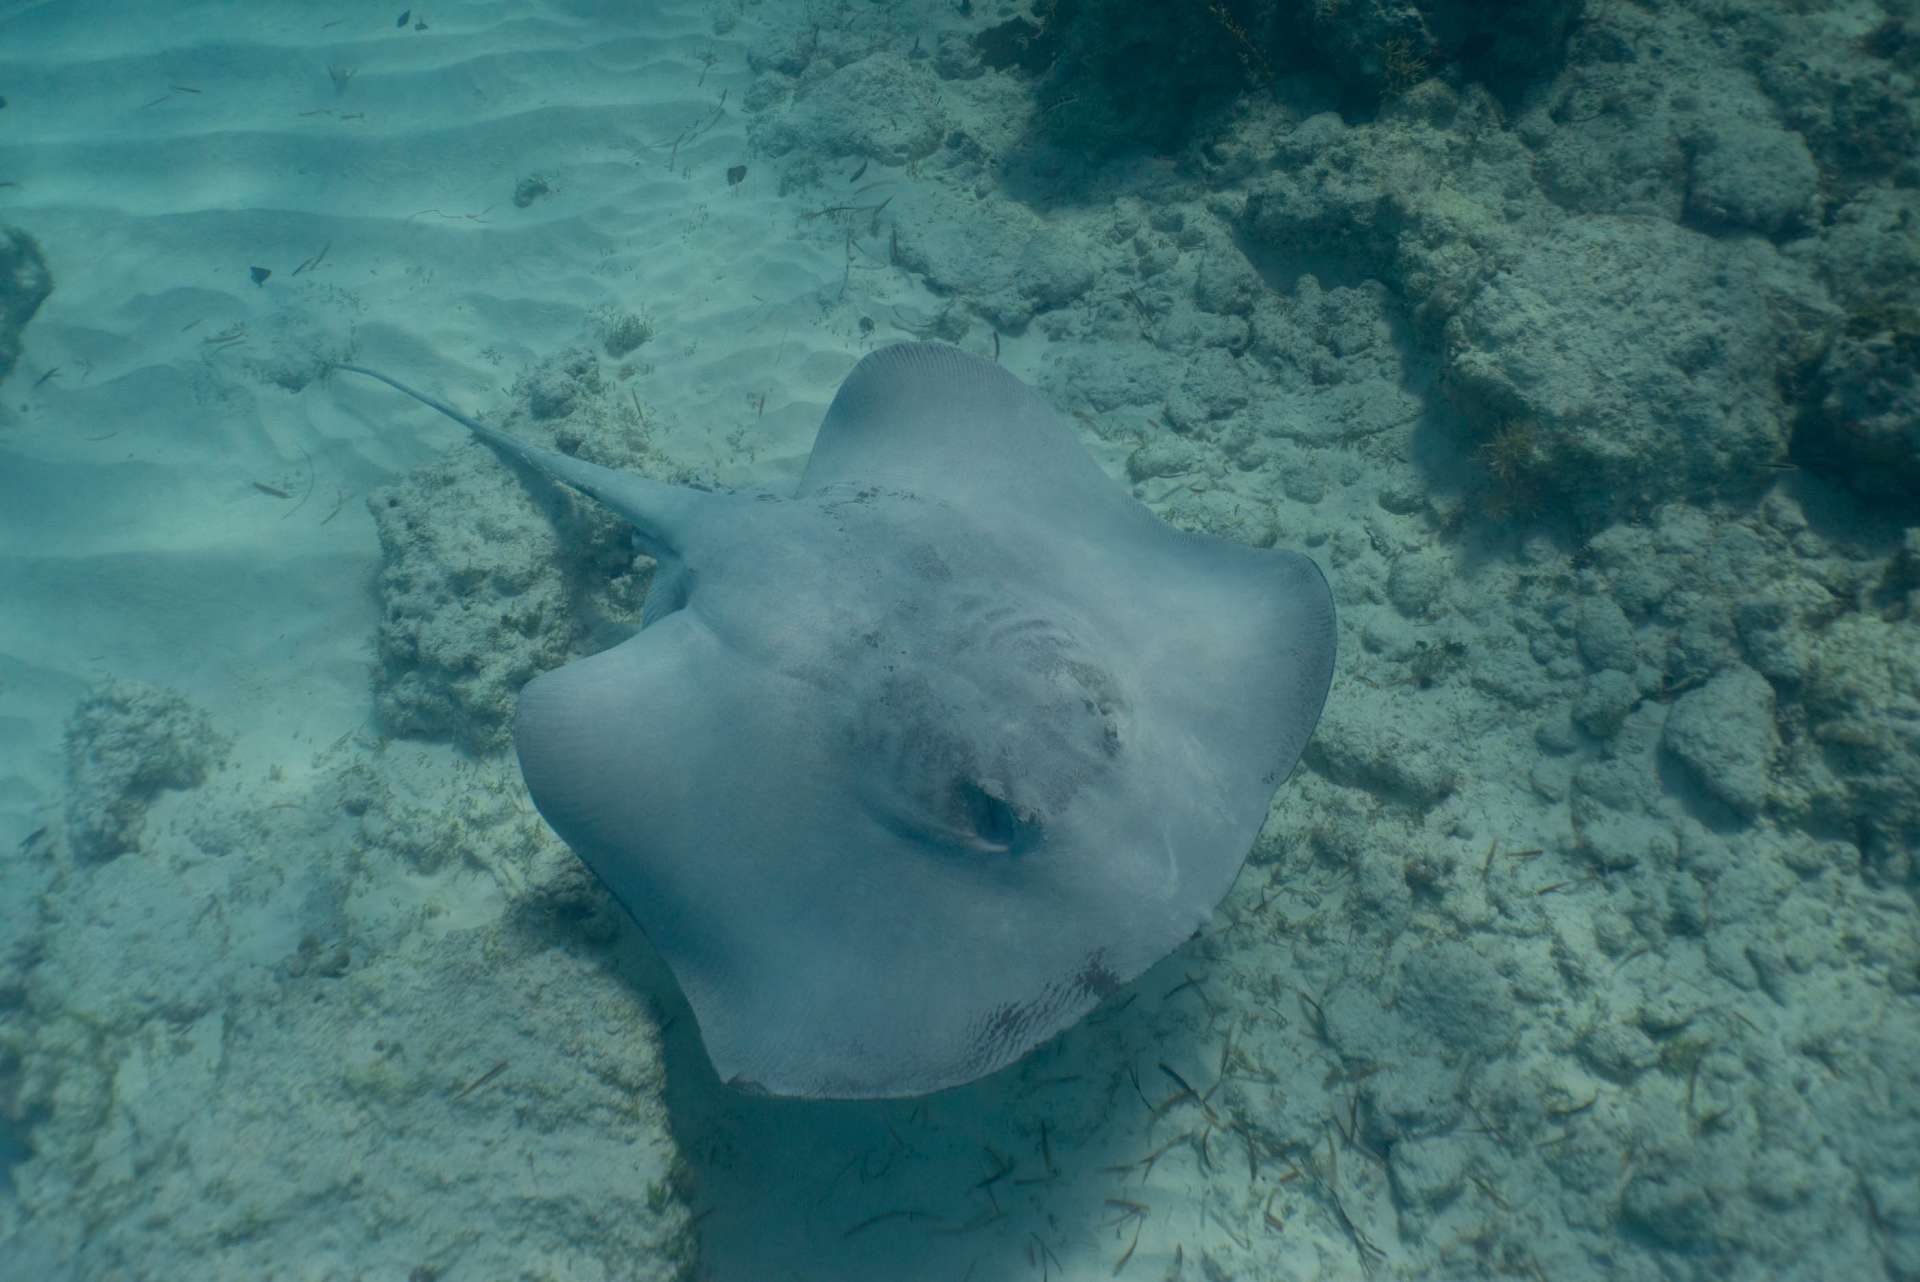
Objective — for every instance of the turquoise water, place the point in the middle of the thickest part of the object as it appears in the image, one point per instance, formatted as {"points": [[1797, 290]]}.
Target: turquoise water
{"points": [[1574, 344]]}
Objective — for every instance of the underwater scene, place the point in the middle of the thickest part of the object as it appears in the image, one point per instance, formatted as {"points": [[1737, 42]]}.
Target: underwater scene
{"points": [[959, 641]]}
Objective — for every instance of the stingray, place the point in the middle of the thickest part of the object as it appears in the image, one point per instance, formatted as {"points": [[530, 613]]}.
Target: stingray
{"points": [[907, 771]]}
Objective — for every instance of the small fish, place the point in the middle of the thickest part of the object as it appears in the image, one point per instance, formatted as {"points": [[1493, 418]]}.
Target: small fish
{"points": [[315, 260], [482, 1080]]}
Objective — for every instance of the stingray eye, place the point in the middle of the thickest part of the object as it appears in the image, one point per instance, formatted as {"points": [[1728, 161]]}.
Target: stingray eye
{"points": [[990, 824]]}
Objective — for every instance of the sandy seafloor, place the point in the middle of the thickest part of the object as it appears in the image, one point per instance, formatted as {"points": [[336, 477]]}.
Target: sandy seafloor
{"points": [[1580, 351]]}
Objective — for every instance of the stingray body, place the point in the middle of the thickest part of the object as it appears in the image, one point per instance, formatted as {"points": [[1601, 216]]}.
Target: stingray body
{"points": [[906, 772]]}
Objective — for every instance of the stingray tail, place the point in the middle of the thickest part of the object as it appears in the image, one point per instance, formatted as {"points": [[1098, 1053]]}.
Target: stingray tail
{"points": [[660, 514]]}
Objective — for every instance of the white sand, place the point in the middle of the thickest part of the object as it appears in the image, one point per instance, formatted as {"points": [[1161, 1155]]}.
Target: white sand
{"points": [[135, 541]]}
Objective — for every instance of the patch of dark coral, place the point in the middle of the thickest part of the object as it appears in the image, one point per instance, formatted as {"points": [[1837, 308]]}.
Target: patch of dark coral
{"points": [[1143, 75], [1858, 421]]}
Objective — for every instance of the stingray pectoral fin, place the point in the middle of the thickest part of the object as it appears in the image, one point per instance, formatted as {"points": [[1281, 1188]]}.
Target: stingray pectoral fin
{"points": [[685, 778], [1237, 645], [954, 427], [612, 748]]}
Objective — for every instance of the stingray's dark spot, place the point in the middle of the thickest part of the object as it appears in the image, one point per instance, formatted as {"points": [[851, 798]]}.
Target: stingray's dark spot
{"points": [[1095, 978], [1008, 1024], [1004, 1020]]}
